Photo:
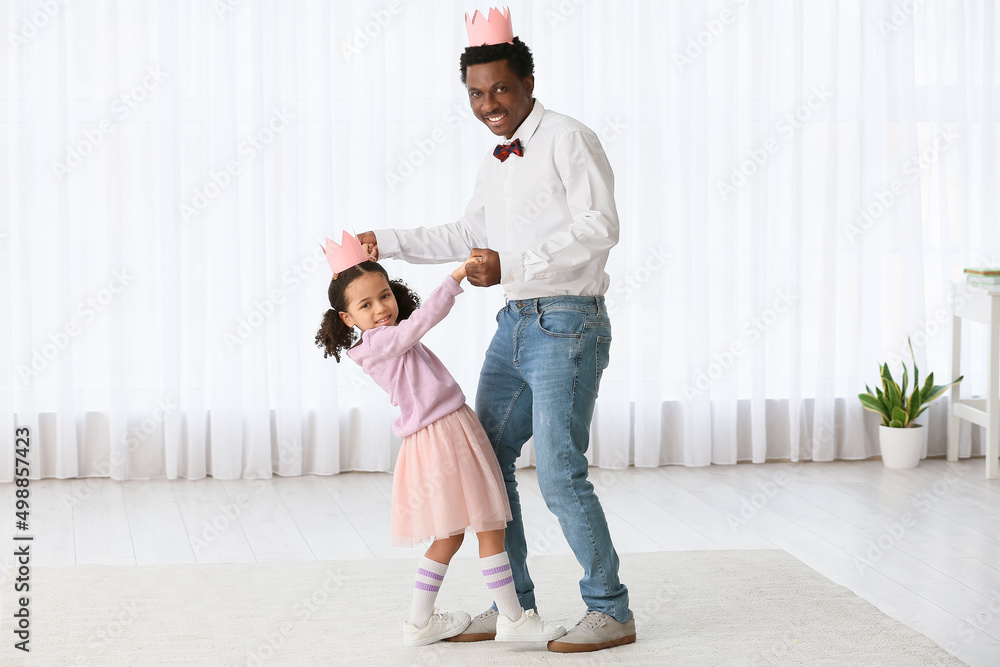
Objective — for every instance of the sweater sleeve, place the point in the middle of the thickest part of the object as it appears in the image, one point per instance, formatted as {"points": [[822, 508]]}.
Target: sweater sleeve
{"points": [[394, 341]]}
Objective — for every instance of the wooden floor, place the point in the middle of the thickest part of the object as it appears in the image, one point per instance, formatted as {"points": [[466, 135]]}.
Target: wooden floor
{"points": [[922, 545]]}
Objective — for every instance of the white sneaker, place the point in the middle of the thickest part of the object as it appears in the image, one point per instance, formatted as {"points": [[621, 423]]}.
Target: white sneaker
{"points": [[441, 625], [529, 628]]}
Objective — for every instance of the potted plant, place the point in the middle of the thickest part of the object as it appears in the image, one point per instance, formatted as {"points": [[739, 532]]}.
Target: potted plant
{"points": [[900, 440]]}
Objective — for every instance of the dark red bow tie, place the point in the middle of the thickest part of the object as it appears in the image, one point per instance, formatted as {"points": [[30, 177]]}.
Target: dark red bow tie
{"points": [[503, 151]]}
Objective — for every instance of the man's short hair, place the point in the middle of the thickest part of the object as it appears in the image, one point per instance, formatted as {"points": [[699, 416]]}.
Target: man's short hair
{"points": [[517, 55]]}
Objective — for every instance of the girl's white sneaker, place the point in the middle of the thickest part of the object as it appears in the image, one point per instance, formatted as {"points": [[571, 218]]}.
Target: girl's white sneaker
{"points": [[441, 625], [529, 628]]}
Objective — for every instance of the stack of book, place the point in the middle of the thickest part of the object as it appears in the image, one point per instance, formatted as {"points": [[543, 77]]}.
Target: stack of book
{"points": [[987, 277]]}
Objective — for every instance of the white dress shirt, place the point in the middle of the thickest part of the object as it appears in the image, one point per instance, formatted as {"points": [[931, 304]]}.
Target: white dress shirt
{"points": [[550, 214]]}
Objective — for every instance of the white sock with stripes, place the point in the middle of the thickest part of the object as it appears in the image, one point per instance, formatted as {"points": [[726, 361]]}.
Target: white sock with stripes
{"points": [[430, 574], [496, 569]]}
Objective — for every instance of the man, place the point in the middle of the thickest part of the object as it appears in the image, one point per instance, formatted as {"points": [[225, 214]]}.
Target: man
{"points": [[542, 217]]}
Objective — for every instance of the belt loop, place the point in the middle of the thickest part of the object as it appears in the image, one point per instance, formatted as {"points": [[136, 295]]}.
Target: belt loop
{"points": [[597, 300]]}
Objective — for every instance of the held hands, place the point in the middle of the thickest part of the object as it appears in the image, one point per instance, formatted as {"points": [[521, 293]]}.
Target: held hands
{"points": [[463, 270], [485, 270]]}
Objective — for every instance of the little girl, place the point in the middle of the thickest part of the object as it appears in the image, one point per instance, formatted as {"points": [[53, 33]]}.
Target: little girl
{"points": [[447, 478]]}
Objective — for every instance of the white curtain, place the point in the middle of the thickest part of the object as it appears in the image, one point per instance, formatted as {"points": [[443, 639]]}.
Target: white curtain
{"points": [[798, 184]]}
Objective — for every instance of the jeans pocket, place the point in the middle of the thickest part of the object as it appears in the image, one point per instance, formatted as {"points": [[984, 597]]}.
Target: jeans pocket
{"points": [[603, 356], [562, 322]]}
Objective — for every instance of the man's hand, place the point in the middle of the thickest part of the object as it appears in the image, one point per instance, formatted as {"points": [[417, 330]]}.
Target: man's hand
{"points": [[486, 271], [463, 269], [369, 243]]}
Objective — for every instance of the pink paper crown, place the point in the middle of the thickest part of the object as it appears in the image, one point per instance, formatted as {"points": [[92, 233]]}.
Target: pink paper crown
{"points": [[497, 29], [343, 256]]}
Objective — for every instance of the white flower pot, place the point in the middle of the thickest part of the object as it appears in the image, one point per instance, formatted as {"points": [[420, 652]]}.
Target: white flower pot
{"points": [[901, 447]]}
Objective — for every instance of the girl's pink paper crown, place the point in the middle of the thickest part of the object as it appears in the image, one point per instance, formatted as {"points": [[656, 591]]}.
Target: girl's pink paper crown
{"points": [[344, 255], [497, 29]]}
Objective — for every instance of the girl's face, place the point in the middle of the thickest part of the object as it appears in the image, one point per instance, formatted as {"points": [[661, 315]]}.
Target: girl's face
{"points": [[370, 302]]}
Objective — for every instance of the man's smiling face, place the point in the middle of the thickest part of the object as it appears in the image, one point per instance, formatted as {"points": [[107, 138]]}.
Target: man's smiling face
{"points": [[498, 97]]}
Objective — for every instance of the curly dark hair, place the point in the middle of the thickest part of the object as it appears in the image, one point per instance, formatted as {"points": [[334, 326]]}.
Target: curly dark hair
{"points": [[333, 335], [517, 55]]}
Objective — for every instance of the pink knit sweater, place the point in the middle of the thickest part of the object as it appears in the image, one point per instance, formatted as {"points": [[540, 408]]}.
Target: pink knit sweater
{"points": [[412, 375]]}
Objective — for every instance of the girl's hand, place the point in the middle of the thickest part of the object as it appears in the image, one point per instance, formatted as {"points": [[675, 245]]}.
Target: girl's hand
{"points": [[462, 271]]}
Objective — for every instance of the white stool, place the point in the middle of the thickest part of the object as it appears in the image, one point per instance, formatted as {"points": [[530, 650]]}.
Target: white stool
{"points": [[979, 304]]}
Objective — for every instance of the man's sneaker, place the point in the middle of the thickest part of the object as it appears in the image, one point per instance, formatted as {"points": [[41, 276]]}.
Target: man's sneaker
{"points": [[529, 628], [594, 632], [439, 626], [482, 628]]}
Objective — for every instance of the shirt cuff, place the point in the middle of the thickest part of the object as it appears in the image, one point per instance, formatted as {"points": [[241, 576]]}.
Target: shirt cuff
{"points": [[388, 243], [511, 267]]}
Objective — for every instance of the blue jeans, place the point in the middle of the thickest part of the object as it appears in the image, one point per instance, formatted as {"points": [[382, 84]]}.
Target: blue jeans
{"points": [[541, 377]]}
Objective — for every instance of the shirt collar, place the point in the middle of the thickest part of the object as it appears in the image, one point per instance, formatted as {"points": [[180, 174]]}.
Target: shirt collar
{"points": [[530, 124]]}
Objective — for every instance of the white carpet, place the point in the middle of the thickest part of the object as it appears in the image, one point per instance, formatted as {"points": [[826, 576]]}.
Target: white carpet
{"points": [[691, 608]]}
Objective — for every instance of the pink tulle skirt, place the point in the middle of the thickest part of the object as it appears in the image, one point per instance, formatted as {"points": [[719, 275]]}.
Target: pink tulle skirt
{"points": [[446, 481]]}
